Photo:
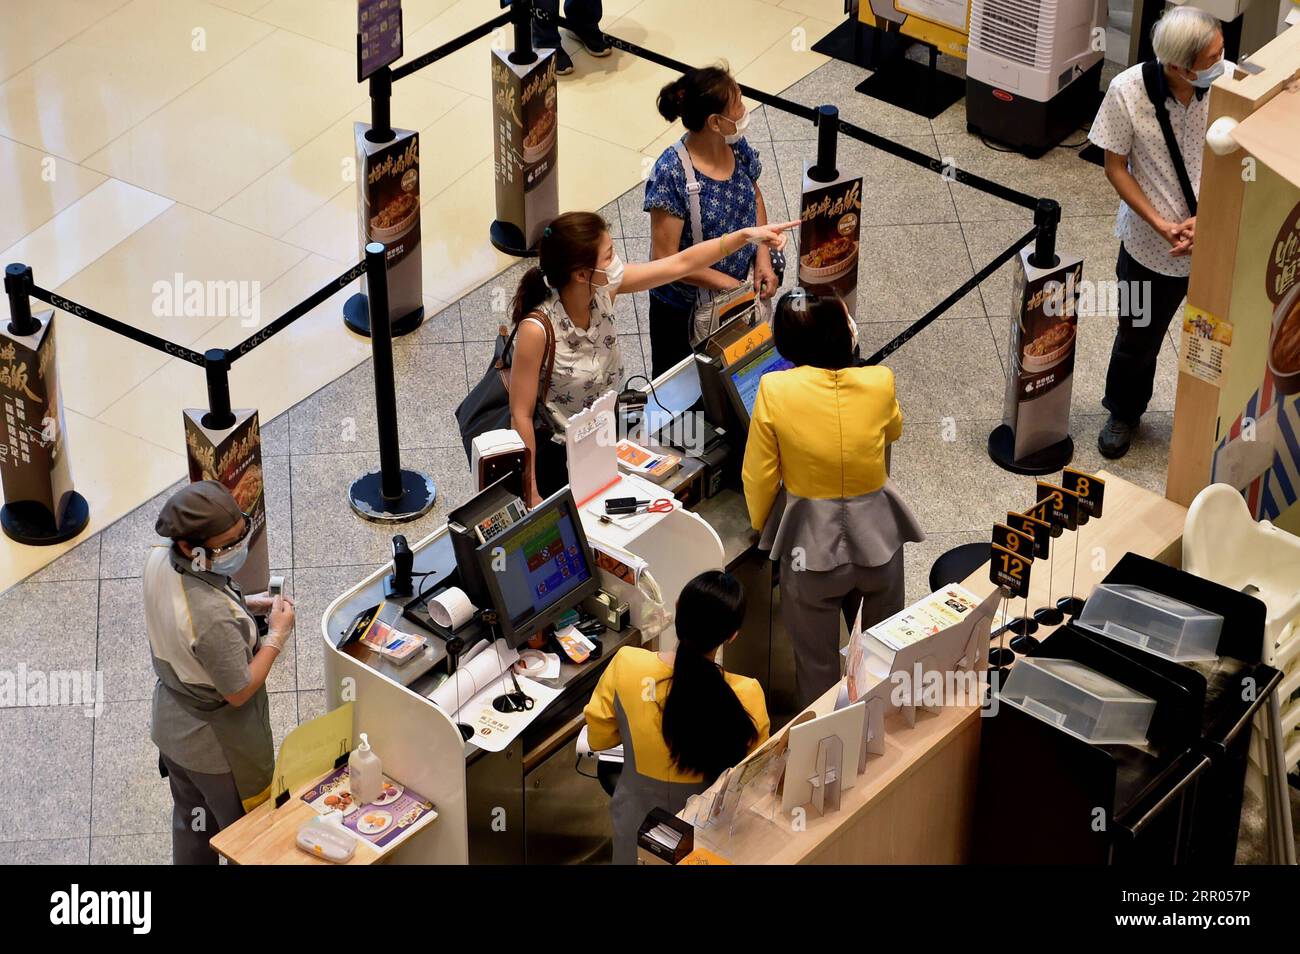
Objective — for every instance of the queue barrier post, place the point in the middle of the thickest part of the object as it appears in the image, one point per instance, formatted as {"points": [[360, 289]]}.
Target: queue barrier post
{"points": [[18, 283], [381, 106], [522, 18], [1047, 216], [828, 127], [216, 366], [390, 494]]}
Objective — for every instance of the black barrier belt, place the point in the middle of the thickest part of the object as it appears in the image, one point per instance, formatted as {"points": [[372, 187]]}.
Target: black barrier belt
{"points": [[296, 312], [908, 333], [1013, 196], [798, 109], [420, 62], [1006, 193], [118, 327]]}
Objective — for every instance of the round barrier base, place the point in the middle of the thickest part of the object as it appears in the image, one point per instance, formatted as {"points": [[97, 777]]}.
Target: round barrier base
{"points": [[367, 497], [1023, 626], [31, 523], [1049, 616], [1002, 450], [1024, 645], [1070, 605], [356, 315], [506, 237], [1001, 658]]}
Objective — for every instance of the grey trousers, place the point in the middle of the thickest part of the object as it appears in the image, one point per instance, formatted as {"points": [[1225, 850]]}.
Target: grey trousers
{"points": [[812, 602], [202, 805]]}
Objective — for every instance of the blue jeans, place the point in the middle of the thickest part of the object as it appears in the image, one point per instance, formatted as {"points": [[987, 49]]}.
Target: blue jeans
{"points": [[584, 13]]}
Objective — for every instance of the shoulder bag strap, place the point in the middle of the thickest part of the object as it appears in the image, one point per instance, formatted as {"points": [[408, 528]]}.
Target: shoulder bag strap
{"points": [[548, 360], [1152, 80], [693, 207]]}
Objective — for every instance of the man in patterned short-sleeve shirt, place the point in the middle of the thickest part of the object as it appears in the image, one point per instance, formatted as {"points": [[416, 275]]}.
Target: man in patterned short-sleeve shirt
{"points": [[1156, 228]]}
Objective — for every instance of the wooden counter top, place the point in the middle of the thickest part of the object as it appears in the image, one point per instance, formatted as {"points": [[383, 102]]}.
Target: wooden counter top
{"points": [[914, 804]]}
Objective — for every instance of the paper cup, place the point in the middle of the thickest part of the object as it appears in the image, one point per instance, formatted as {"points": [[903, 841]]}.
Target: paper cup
{"points": [[451, 609]]}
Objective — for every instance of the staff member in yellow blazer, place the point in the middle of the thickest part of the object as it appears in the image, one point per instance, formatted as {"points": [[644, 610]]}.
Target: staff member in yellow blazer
{"points": [[817, 487], [681, 719], [211, 716]]}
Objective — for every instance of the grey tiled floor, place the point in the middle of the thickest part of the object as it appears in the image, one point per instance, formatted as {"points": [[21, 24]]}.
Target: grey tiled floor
{"points": [[95, 780]]}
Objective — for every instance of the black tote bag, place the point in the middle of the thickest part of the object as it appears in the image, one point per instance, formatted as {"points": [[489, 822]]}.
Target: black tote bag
{"points": [[487, 406]]}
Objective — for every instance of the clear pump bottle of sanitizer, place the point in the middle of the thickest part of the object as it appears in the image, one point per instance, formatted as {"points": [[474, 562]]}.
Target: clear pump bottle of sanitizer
{"points": [[365, 777]]}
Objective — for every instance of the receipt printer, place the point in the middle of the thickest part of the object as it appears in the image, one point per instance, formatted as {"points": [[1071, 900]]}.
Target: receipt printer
{"points": [[497, 453]]}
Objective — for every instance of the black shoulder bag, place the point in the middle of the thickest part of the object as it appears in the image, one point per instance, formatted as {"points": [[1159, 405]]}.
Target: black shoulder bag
{"points": [[487, 406]]}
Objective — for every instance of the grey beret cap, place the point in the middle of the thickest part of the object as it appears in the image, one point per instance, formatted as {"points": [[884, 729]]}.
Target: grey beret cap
{"points": [[198, 511]]}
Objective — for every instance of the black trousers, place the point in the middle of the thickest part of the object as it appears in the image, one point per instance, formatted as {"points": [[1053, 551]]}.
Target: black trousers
{"points": [[670, 335], [1139, 336], [202, 805]]}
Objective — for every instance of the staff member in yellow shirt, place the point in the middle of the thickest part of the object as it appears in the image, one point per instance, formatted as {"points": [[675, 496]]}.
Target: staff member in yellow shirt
{"points": [[681, 719], [838, 525]]}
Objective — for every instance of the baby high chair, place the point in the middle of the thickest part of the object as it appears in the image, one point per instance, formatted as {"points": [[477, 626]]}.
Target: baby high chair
{"points": [[1222, 542]]}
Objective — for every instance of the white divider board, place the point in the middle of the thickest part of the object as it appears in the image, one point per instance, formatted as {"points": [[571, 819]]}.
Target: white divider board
{"points": [[418, 744], [676, 547]]}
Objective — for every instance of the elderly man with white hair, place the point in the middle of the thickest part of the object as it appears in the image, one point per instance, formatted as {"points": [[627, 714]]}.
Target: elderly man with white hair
{"points": [[1152, 126]]}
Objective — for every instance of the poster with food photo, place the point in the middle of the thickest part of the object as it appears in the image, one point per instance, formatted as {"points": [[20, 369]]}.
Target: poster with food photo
{"points": [[390, 203], [235, 460], [33, 457], [829, 238], [1258, 446], [1040, 374], [525, 121]]}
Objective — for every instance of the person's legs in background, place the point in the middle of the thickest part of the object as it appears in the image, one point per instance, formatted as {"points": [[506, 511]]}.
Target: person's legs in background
{"points": [[1130, 378], [546, 35], [202, 805], [670, 340], [584, 15], [811, 604]]}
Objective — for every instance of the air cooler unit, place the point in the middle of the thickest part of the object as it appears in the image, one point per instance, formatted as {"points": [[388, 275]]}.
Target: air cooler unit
{"points": [[1033, 72]]}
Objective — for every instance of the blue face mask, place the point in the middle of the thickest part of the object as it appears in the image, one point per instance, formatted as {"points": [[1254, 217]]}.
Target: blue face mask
{"points": [[230, 563], [1206, 77]]}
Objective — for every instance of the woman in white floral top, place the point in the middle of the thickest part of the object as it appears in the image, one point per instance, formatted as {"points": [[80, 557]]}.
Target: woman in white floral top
{"points": [[574, 285]]}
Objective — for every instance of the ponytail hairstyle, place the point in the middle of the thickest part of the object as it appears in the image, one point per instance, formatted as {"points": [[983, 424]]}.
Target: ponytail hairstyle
{"points": [[705, 726], [696, 95], [569, 243], [811, 329]]}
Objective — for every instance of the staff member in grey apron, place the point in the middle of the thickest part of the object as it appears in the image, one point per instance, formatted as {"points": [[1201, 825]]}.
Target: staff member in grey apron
{"points": [[680, 717], [211, 719], [818, 489]]}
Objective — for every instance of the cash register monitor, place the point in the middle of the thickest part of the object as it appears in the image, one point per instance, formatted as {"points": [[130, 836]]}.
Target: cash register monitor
{"points": [[742, 378], [539, 568]]}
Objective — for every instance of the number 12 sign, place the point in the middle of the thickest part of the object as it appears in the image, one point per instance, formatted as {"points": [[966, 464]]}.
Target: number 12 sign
{"points": [[1010, 570]]}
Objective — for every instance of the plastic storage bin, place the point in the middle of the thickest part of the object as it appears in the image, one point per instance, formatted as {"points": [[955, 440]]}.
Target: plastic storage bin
{"points": [[1152, 622], [1079, 700]]}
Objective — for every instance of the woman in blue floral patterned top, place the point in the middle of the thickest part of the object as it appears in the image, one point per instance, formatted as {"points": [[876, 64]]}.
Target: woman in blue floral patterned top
{"points": [[727, 168]]}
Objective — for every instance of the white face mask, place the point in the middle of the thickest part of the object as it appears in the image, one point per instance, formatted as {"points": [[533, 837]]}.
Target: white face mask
{"points": [[613, 273], [741, 125], [1206, 77]]}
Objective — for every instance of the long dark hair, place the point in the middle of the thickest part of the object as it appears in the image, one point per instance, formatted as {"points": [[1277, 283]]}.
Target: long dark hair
{"points": [[696, 95], [706, 727], [812, 329], [570, 242]]}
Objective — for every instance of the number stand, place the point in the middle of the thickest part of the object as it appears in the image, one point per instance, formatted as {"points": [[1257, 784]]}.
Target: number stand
{"points": [[1049, 616], [1023, 642], [999, 658], [1070, 605]]}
